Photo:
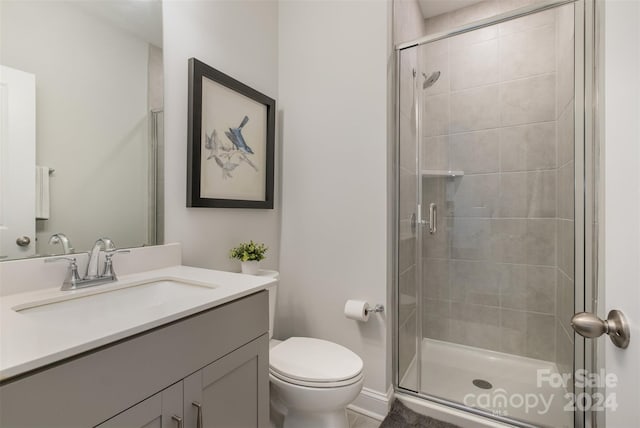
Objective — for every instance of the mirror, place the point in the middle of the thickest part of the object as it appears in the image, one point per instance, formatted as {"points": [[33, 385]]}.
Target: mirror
{"points": [[81, 125]]}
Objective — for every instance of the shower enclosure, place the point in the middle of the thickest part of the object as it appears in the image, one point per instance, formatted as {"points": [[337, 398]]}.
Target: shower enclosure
{"points": [[492, 170]]}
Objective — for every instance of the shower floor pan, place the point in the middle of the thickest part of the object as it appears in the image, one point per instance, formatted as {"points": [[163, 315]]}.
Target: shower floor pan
{"points": [[504, 384]]}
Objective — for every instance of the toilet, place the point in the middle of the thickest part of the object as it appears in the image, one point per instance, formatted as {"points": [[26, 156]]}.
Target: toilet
{"points": [[311, 380]]}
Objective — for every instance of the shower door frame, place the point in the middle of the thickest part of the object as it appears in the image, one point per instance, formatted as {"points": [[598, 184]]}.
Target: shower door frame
{"points": [[587, 42]]}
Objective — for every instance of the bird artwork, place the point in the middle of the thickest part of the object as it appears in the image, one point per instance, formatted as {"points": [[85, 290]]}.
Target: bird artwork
{"points": [[235, 135], [229, 154]]}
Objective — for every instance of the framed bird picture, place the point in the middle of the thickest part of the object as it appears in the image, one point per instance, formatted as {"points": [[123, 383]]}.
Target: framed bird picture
{"points": [[231, 142]]}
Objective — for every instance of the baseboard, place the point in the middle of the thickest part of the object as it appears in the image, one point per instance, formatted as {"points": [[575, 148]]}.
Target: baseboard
{"points": [[372, 403]]}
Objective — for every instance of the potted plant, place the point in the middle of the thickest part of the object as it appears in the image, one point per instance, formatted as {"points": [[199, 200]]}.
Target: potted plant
{"points": [[249, 254]]}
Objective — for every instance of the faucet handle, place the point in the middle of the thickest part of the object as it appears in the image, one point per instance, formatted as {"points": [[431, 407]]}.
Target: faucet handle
{"points": [[71, 260], [108, 264], [72, 277], [110, 253]]}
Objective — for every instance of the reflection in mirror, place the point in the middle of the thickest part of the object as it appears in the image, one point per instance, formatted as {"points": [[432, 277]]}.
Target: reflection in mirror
{"points": [[81, 116]]}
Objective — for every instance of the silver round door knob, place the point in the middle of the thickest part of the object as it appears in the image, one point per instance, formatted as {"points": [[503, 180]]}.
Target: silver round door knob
{"points": [[23, 241]]}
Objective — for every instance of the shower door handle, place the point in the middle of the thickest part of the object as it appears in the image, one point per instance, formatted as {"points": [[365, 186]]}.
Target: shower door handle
{"points": [[616, 326], [433, 219]]}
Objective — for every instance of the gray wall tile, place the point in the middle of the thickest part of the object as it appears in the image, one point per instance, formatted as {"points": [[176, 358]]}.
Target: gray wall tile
{"points": [[475, 325], [529, 53], [436, 319], [436, 115], [437, 246], [475, 196], [508, 240], [565, 75], [474, 65], [513, 195], [565, 246], [541, 242], [407, 293], [475, 109], [528, 334], [528, 100], [406, 252], [528, 147], [435, 279], [407, 342], [408, 193], [435, 153], [564, 353], [477, 36], [541, 194], [566, 141], [474, 282], [471, 238], [566, 191], [408, 152], [565, 301], [475, 152], [528, 288], [527, 22]]}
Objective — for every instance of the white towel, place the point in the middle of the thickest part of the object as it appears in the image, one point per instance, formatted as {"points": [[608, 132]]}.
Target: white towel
{"points": [[42, 192]]}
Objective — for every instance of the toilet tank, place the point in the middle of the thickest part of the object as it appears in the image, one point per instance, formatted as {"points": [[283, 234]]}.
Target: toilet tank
{"points": [[273, 292]]}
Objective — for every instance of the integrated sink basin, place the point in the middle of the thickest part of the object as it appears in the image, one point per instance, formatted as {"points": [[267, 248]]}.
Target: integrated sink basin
{"points": [[118, 301]]}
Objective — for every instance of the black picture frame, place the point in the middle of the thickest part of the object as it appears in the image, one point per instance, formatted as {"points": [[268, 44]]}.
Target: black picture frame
{"points": [[198, 71]]}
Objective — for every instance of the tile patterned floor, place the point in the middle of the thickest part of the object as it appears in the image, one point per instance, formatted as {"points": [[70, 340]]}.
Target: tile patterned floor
{"points": [[357, 420]]}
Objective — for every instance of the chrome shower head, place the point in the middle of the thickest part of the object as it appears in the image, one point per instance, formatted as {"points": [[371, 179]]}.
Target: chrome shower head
{"points": [[429, 81]]}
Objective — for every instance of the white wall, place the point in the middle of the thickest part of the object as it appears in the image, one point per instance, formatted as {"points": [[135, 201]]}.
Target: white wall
{"points": [[622, 200], [333, 97], [91, 119], [239, 38]]}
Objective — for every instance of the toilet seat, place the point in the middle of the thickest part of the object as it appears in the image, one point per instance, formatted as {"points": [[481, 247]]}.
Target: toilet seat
{"points": [[314, 363]]}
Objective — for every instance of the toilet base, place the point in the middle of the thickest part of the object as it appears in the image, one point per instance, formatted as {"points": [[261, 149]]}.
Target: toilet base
{"points": [[336, 419], [305, 407]]}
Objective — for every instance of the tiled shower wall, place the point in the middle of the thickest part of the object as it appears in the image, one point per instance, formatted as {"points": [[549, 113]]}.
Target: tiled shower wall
{"points": [[498, 273]]}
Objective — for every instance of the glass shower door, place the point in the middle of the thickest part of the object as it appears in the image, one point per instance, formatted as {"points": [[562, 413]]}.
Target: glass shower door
{"points": [[486, 252]]}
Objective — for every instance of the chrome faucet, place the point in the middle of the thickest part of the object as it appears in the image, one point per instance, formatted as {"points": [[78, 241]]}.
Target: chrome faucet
{"points": [[92, 265], [61, 238], [73, 281]]}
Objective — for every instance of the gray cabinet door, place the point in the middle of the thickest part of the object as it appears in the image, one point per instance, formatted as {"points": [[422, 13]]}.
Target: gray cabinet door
{"points": [[232, 392], [162, 410]]}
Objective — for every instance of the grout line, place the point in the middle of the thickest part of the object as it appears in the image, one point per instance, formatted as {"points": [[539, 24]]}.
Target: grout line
{"points": [[497, 128]]}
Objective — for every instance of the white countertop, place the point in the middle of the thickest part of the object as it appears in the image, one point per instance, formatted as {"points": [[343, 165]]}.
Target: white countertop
{"points": [[28, 343]]}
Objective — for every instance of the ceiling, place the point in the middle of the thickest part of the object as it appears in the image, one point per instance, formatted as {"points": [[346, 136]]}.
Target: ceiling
{"points": [[432, 8]]}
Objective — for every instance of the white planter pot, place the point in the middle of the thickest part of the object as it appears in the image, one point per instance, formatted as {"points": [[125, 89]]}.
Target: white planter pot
{"points": [[250, 267]]}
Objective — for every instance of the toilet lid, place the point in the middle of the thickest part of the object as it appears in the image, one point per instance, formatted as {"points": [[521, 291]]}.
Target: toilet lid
{"points": [[314, 360]]}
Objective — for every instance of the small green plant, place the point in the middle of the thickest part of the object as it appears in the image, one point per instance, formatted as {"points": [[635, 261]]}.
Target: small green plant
{"points": [[248, 251]]}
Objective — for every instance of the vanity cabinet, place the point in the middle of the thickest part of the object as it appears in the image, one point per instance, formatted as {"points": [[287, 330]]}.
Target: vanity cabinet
{"points": [[217, 359], [221, 393], [162, 410]]}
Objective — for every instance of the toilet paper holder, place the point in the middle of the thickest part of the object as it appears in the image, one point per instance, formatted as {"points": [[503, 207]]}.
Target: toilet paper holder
{"points": [[376, 308]]}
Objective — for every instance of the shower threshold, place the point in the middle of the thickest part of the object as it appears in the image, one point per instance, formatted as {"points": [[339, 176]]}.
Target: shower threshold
{"points": [[503, 384]]}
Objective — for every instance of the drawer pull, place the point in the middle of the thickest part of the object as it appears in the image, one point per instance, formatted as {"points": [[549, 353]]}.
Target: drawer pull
{"points": [[199, 416], [178, 419]]}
